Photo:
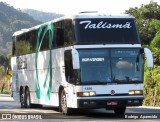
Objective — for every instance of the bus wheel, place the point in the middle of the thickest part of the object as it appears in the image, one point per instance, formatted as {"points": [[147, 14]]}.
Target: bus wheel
{"points": [[63, 104], [27, 99], [120, 110], [23, 100]]}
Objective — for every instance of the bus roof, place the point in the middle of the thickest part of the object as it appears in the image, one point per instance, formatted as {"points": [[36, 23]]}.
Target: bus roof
{"points": [[81, 15]]}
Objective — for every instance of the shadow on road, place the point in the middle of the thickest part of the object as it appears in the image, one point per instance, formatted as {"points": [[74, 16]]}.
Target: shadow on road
{"points": [[84, 113]]}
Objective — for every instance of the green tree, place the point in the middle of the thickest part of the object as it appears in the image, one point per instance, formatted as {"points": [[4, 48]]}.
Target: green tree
{"points": [[148, 23], [152, 87], [145, 17], [155, 46]]}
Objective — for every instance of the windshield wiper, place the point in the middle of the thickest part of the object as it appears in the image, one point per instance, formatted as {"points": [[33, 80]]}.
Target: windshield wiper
{"points": [[135, 81], [97, 81], [93, 82]]}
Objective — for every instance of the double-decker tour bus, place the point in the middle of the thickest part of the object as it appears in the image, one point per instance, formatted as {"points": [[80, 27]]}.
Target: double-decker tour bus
{"points": [[80, 61]]}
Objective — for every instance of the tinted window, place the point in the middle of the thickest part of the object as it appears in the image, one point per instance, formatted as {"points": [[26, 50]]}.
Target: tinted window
{"points": [[45, 40], [110, 66], [104, 31], [59, 37], [126, 65], [63, 33], [95, 66], [31, 37], [22, 46], [25, 43], [71, 74], [59, 34], [68, 33], [28, 42]]}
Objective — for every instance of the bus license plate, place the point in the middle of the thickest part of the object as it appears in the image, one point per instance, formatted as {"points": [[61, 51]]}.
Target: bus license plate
{"points": [[110, 103]]}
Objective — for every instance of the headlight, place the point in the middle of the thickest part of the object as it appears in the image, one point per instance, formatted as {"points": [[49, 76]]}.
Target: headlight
{"points": [[133, 92], [85, 94]]}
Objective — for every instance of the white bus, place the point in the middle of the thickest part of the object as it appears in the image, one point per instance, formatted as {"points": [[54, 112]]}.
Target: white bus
{"points": [[80, 61]]}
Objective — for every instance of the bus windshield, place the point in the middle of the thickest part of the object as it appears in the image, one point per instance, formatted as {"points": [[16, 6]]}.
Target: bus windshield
{"points": [[110, 66], [106, 31]]}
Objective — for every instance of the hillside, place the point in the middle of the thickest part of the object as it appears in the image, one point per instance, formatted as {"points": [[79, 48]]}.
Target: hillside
{"points": [[12, 20], [42, 16]]}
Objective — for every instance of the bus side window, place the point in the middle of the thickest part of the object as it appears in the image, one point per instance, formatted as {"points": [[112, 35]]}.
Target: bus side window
{"points": [[22, 45], [59, 37], [70, 74], [45, 41], [68, 65]]}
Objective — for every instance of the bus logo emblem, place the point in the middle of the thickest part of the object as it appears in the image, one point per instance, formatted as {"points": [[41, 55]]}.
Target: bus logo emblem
{"points": [[112, 92]]}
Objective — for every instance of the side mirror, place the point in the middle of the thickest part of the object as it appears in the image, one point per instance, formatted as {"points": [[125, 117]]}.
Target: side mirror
{"points": [[149, 57], [75, 59]]}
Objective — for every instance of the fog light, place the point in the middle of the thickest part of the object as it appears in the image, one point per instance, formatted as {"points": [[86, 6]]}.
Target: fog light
{"points": [[85, 103], [92, 102], [129, 101], [136, 101]]}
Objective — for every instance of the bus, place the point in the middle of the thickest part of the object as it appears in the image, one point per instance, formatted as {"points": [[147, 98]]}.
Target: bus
{"points": [[82, 61]]}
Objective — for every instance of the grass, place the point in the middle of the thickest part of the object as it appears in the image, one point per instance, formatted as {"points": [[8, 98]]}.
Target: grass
{"points": [[5, 91]]}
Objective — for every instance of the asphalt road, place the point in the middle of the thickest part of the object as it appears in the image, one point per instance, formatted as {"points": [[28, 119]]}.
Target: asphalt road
{"points": [[9, 109]]}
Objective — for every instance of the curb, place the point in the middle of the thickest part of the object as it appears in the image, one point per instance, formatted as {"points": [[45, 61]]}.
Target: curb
{"points": [[4, 95], [149, 107]]}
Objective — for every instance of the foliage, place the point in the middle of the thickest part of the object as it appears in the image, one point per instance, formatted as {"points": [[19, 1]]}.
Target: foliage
{"points": [[5, 89], [155, 46], [12, 20], [152, 87], [4, 63], [147, 17], [148, 23], [22, 47]]}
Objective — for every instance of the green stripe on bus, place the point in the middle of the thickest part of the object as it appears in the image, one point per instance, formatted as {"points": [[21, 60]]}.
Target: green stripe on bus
{"points": [[40, 90]]}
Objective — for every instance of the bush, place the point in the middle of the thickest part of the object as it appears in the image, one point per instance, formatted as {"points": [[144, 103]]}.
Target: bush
{"points": [[5, 91], [152, 87]]}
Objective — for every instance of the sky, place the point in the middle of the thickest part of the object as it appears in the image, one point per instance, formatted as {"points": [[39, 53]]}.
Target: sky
{"points": [[74, 6]]}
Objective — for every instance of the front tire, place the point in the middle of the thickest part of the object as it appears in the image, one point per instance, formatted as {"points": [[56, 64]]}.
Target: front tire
{"points": [[63, 104]]}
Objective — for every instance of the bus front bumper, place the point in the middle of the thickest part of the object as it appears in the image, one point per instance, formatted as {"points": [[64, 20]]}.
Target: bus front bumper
{"points": [[109, 103]]}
